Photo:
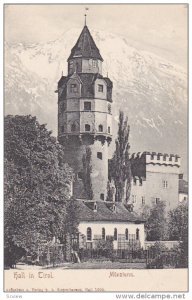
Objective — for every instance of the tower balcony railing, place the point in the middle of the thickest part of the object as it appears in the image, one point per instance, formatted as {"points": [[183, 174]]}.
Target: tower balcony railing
{"points": [[77, 133]]}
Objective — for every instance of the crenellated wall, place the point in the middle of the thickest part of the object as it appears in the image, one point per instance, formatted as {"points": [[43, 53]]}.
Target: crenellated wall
{"points": [[159, 174]]}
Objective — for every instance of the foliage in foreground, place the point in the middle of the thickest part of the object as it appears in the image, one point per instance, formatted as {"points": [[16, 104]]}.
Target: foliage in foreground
{"points": [[120, 166], [37, 186]]}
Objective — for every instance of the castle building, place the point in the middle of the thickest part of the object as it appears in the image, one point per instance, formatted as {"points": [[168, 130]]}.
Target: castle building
{"points": [[85, 131], [155, 178], [85, 115]]}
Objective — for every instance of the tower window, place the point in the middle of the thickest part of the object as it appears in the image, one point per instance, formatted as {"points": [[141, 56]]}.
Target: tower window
{"points": [[62, 128], [143, 200], [126, 234], [95, 207], [87, 106], [94, 63], [87, 127], [100, 88], [115, 234], [103, 233], [109, 108], [102, 196], [109, 129], [71, 65], [99, 155], [73, 88], [137, 234], [89, 234], [165, 184], [73, 127], [134, 198], [100, 128]]}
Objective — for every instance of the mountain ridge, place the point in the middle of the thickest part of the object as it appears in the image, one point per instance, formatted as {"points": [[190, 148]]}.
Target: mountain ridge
{"points": [[151, 90]]}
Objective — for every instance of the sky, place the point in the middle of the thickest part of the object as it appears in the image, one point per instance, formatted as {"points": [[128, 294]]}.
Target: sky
{"points": [[161, 29]]}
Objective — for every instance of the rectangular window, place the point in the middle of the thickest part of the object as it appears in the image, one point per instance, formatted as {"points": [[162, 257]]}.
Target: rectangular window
{"points": [[157, 200], [134, 198], [87, 106], [100, 88], [99, 155], [102, 196], [71, 65], [109, 129], [165, 184], [143, 200], [62, 128], [73, 88]]}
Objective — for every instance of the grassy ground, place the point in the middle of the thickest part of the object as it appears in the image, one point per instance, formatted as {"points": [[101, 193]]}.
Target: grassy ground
{"points": [[105, 265]]}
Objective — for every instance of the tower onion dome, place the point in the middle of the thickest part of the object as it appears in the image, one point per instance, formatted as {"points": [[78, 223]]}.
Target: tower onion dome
{"points": [[85, 47]]}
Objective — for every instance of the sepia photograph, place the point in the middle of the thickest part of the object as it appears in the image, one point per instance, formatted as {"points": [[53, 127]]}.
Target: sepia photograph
{"points": [[95, 147]]}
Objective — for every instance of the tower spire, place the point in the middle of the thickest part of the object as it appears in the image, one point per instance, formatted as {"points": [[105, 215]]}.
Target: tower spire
{"points": [[85, 15]]}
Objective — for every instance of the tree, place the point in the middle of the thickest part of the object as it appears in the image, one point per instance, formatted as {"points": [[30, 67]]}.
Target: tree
{"points": [[87, 170], [155, 226], [37, 184], [178, 222], [120, 166], [178, 230]]}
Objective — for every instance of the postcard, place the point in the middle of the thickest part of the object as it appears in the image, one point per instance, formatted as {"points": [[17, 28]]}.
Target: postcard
{"points": [[95, 148]]}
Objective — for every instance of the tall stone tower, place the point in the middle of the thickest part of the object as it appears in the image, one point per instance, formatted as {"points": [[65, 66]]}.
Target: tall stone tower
{"points": [[85, 116]]}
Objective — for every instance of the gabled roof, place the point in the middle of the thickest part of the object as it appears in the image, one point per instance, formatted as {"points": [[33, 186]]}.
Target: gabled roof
{"points": [[85, 46], [104, 213]]}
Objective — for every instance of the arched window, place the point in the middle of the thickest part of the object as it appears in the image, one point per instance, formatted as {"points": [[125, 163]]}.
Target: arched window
{"points": [[87, 127], [103, 233], [126, 234], [89, 234], [100, 128], [137, 234], [73, 127], [115, 234]]}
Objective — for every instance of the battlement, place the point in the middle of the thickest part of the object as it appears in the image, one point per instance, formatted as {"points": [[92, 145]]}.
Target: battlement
{"points": [[156, 158]]}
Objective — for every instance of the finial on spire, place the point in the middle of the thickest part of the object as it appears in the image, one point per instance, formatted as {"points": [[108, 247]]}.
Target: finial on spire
{"points": [[85, 15]]}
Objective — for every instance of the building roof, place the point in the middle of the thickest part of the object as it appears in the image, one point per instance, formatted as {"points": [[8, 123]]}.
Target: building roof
{"points": [[183, 186], [85, 46], [104, 212]]}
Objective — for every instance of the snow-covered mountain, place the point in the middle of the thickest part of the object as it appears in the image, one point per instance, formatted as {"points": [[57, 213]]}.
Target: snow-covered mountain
{"points": [[149, 89]]}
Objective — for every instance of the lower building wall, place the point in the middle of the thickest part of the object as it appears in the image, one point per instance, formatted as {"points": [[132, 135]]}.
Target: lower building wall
{"points": [[157, 186], [96, 230]]}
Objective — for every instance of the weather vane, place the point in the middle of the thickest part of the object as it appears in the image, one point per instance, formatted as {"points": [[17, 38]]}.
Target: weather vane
{"points": [[86, 9]]}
